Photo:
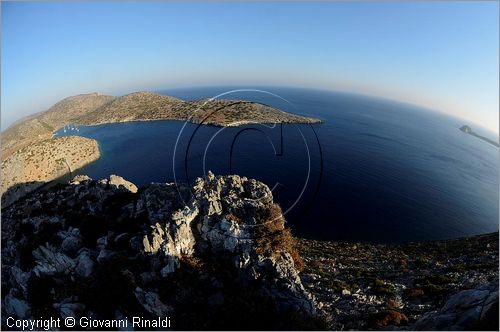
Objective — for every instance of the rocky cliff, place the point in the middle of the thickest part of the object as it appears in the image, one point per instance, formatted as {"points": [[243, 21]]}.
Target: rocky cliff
{"points": [[36, 164], [215, 255], [94, 109]]}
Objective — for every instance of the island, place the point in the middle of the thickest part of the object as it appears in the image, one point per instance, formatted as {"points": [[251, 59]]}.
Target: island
{"points": [[468, 130], [31, 155]]}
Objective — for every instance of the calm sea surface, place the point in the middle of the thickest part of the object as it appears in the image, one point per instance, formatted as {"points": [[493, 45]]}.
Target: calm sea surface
{"points": [[375, 170]]}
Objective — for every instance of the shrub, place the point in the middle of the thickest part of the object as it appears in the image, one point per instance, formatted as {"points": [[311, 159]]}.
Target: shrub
{"points": [[272, 238], [191, 262]]}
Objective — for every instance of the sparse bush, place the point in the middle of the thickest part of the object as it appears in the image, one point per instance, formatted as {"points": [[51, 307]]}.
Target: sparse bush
{"points": [[192, 263], [337, 285]]}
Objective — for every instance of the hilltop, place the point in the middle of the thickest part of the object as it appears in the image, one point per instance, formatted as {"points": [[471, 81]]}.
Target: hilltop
{"points": [[95, 109], [212, 256]]}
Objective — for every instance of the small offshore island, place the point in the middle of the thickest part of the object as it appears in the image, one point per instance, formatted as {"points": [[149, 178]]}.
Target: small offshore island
{"points": [[217, 255], [468, 130], [31, 156]]}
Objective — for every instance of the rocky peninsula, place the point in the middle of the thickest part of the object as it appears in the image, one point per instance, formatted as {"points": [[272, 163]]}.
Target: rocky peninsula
{"points": [[95, 109], [213, 256], [217, 255], [145, 106]]}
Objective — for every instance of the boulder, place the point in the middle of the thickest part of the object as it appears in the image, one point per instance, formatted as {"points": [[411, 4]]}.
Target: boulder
{"points": [[118, 181]]}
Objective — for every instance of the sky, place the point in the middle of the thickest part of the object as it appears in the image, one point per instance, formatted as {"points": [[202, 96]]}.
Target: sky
{"points": [[441, 55]]}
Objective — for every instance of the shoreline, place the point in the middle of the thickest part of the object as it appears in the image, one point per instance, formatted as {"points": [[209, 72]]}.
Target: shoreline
{"points": [[366, 286], [240, 123]]}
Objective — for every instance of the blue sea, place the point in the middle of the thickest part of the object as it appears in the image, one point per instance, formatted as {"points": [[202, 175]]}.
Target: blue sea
{"points": [[374, 170]]}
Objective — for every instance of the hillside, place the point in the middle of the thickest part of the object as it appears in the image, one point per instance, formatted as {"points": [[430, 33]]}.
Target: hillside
{"points": [[375, 286], [214, 256], [94, 109], [41, 125], [44, 161], [217, 256]]}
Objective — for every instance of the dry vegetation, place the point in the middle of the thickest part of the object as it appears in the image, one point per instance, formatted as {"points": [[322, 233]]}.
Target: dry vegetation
{"points": [[369, 286], [47, 160], [143, 106]]}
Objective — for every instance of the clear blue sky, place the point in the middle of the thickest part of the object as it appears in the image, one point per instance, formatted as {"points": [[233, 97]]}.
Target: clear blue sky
{"points": [[438, 54]]}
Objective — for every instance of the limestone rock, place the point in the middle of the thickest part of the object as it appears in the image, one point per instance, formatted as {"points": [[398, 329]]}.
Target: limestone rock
{"points": [[152, 303], [466, 310], [85, 264], [79, 179], [118, 181]]}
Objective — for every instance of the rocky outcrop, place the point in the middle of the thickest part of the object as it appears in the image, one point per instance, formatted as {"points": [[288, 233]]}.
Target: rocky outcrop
{"points": [[205, 255], [146, 106], [468, 130], [37, 164], [367, 286], [472, 309]]}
